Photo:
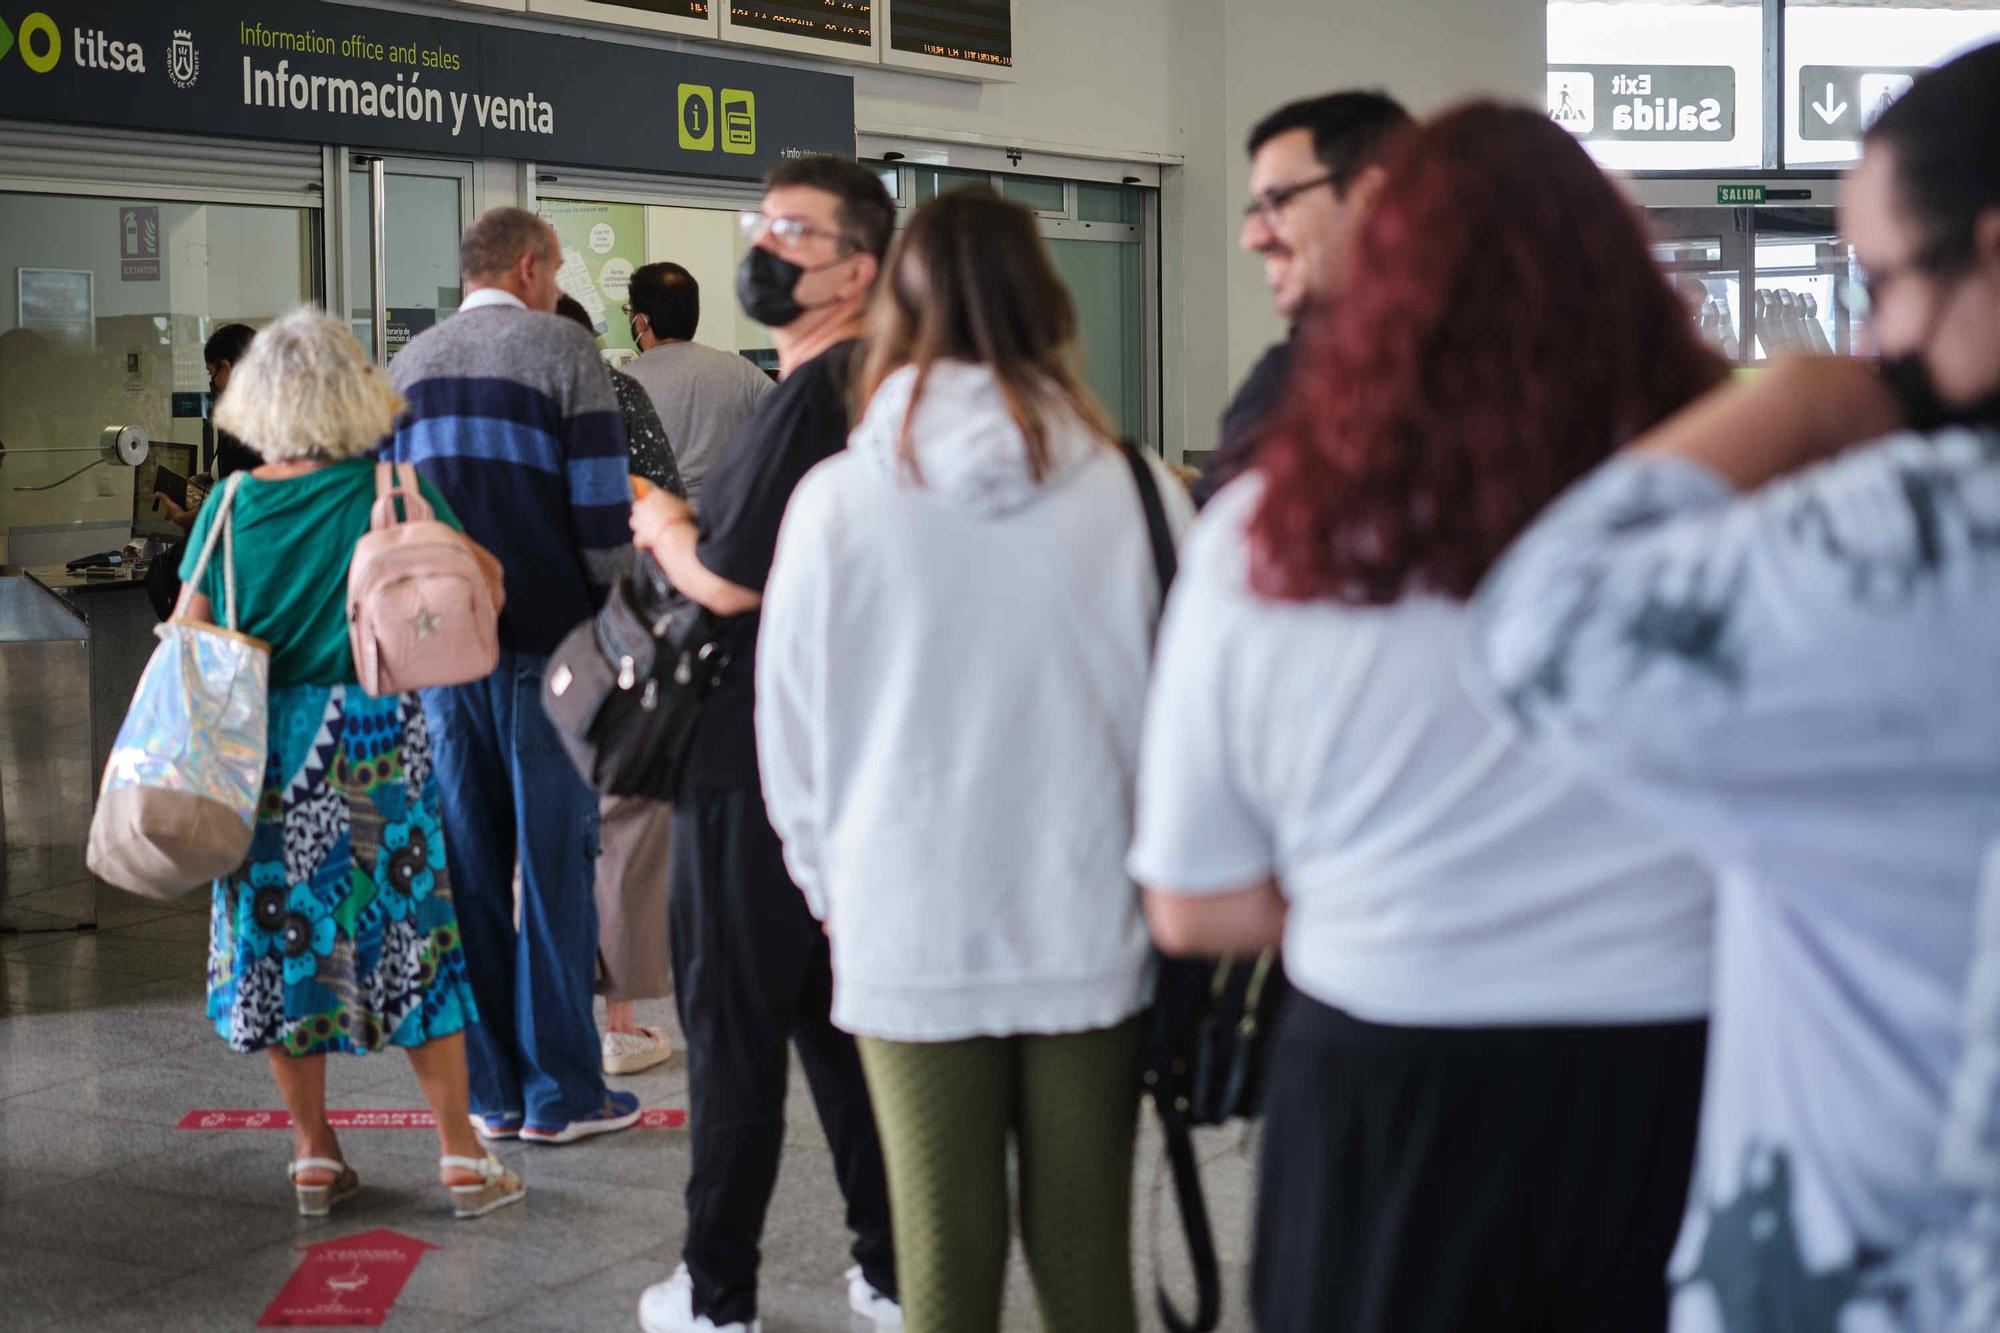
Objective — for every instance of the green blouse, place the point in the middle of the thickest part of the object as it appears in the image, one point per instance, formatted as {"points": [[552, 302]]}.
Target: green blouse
{"points": [[294, 539]]}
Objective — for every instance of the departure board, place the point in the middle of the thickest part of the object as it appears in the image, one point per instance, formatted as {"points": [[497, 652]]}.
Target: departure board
{"points": [[694, 17], [839, 22], [978, 31], [678, 9]]}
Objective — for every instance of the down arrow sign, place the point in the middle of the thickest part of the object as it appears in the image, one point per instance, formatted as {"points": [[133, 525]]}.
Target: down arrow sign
{"points": [[1829, 110]]}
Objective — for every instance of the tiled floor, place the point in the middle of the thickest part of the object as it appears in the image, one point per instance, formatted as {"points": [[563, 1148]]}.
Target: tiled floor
{"points": [[112, 1219]]}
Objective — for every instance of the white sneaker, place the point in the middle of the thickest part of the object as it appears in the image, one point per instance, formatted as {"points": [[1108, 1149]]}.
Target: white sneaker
{"points": [[631, 1052], [864, 1300], [668, 1307]]}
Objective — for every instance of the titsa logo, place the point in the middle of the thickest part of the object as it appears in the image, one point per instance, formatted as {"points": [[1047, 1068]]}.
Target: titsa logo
{"points": [[40, 41], [41, 45]]}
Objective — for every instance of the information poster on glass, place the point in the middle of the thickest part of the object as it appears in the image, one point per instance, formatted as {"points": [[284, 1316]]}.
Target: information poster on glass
{"points": [[58, 303], [601, 245]]}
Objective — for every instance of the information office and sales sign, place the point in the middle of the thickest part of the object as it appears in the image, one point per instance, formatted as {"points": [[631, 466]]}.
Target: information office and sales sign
{"points": [[328, 73], [1650, 103]]}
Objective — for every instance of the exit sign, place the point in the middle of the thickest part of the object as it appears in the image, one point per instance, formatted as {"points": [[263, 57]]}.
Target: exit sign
{"points": [[1739, 194]]}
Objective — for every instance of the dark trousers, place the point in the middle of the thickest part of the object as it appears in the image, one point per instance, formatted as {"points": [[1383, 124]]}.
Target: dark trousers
{"points": [[1433, 1180], [510, 796], [753, 971]]}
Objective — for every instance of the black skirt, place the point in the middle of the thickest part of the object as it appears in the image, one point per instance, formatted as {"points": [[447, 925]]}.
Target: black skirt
{"points": [[1489, 1179]]}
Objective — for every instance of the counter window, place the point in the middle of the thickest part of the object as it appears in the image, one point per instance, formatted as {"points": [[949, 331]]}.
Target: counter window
{"points": [[108, 303]]}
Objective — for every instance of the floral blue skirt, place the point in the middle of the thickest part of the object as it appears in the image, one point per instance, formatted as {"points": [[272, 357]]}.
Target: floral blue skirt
{"points": [[337, 934]]}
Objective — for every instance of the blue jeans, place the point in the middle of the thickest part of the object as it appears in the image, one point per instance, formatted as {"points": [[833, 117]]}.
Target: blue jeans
{"points": [[509, 796]]}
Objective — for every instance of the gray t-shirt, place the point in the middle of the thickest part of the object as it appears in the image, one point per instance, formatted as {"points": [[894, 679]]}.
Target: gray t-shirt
{"points": [[703, 396]]}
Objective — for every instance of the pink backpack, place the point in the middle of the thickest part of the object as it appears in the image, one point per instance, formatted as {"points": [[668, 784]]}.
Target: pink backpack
{"points": [[423, 599]]}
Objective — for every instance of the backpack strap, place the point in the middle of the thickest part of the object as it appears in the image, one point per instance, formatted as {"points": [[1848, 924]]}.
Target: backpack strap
{"points": [[393, 482]]}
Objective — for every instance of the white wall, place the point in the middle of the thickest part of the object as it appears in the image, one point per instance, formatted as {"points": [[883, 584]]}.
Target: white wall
{"points": [[1426, 53], [1182, 82]]}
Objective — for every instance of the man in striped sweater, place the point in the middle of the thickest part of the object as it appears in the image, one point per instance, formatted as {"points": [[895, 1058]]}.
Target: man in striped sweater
{"points": [[512, 417]]}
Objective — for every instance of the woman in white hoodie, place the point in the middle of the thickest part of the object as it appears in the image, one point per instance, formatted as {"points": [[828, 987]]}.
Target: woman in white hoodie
{"points": [[956, 637]]}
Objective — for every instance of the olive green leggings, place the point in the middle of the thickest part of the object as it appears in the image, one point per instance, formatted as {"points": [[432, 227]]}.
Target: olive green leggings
{"points": [[945, 1111]]}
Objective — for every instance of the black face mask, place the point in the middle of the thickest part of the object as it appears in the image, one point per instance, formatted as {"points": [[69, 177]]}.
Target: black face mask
{"points": [[1909, 378], [767, 286]]}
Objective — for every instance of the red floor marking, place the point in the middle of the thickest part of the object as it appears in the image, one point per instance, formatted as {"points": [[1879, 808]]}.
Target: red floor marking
{"points": [[346, 1283], [659, 1117]]}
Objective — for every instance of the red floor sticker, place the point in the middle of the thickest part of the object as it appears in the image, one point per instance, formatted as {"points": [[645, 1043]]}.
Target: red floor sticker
{"points": [[659, 1117], [347, 1283]]}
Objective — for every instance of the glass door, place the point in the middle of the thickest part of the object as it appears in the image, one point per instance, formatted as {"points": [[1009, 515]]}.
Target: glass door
{"points": [[404, 219]]}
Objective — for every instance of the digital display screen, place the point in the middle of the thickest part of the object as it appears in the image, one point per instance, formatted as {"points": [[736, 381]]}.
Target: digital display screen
{"points": [[981, 31], [847, 22], [679, 9]]}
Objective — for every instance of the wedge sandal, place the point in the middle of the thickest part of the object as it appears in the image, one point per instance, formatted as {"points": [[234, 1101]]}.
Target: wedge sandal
{"points": [[496, 1188], [318, 1200]]}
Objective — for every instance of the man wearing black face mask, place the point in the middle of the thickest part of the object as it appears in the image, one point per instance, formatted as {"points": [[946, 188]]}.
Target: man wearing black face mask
{"points": [[752, 966], [1775, 622]]}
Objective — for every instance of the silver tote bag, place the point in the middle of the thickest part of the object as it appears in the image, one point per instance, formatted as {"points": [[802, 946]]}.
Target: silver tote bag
{"points": [[179, 798]]}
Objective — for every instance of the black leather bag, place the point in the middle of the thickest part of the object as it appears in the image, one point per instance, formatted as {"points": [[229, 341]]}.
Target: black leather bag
{"points": [[1203, 1058], [627, 687]]}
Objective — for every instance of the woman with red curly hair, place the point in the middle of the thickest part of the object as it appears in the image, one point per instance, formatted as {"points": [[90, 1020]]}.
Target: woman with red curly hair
{"points": [[1483, 1092]]}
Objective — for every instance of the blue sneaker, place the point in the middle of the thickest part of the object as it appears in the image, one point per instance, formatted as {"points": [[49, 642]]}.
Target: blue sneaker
{"points": [[620, 1111], [492, 1128]]}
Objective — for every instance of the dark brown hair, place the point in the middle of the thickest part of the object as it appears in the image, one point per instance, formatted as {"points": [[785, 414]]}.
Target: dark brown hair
{"points": [[867, 214], [968, 280]]}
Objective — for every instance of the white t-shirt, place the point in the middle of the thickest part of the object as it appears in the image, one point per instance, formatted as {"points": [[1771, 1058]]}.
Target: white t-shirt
{"points": [[1438, 873]]}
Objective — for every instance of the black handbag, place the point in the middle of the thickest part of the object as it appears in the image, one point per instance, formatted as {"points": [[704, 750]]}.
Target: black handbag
{"points": [[1203, 1057], [627, 687]]}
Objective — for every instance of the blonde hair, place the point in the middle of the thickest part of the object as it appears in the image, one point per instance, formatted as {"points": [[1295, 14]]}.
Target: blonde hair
{"points": [[304, 390]]}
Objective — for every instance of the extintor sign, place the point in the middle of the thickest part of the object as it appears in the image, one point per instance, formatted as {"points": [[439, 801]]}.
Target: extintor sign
{"points": [[1648, 103]]}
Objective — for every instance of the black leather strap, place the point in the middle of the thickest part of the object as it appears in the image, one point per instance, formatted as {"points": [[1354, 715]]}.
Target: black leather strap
{"points": [[1173, 1121], [1194, 1222], [1157, 532]]}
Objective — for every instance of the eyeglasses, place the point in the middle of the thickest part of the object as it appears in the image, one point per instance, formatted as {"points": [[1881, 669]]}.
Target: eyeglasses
{"points": [[1266, 206], [788, 231]]}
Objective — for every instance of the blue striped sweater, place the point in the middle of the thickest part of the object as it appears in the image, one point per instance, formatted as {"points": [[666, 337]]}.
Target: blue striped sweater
{"points": [[512, 417]]}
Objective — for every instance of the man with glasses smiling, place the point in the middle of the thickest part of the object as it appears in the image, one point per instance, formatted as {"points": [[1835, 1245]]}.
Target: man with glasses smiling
{"points": [[1314, 168], [752, 967]]}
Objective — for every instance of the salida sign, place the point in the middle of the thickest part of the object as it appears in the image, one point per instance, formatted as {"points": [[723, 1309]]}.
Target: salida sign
{"points": [[1675, 103]]}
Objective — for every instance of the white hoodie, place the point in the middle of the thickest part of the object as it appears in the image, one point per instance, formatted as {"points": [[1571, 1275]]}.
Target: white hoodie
{"points": [[950, 681]]}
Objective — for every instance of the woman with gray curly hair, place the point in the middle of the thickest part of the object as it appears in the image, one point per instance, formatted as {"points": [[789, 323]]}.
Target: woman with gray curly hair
{"points": [[337, 932]]}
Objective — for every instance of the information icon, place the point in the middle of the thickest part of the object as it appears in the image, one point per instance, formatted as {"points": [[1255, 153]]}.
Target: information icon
{"points": [[697, 128]]}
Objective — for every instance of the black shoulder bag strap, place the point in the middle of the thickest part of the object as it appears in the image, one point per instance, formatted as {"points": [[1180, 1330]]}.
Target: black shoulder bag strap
{"points": [[1157, 534], [1172, 1112]]}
